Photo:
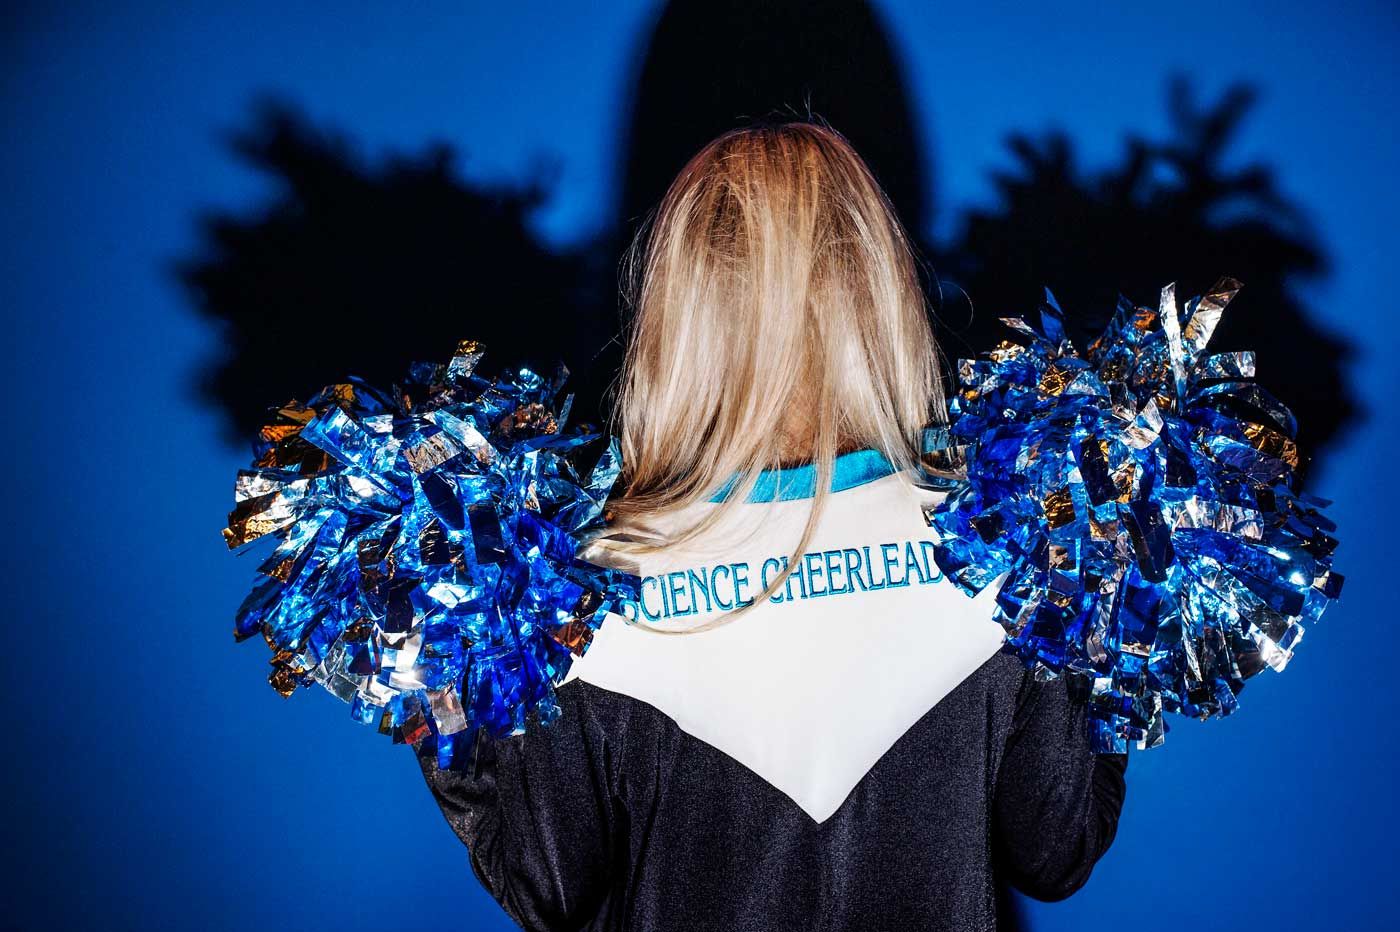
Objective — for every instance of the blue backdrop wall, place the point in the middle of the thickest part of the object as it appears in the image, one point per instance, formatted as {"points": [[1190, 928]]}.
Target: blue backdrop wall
{"points": [[156, 782]]}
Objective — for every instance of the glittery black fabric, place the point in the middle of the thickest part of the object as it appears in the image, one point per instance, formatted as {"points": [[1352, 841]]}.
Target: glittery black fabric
{"points": [[613, 818]]}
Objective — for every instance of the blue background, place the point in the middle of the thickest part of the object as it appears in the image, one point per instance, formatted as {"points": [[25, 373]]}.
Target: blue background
{"points": [[158, 783]]}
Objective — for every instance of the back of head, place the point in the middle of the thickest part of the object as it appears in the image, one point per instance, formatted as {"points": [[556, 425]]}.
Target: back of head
{"points": [[777, 317]]}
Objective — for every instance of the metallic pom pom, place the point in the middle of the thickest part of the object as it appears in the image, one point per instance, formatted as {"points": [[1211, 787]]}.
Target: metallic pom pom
{"points": [[1140, 501], [425, 568]]}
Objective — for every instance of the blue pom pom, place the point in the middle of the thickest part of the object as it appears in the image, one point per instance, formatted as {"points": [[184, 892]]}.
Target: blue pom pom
{"points": [[426, 564], [1140, 501]]}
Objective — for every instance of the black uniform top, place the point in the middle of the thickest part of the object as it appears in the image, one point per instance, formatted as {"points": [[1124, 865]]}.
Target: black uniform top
{"points": [[617, 817]]}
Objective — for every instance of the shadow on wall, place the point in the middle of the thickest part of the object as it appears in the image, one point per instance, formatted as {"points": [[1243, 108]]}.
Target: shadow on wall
{"points": [[1169, 210], [360, 267], [304, 287]]}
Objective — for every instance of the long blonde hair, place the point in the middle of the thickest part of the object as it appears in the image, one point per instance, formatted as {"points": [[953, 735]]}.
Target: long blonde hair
{"points": [[776, 307]]}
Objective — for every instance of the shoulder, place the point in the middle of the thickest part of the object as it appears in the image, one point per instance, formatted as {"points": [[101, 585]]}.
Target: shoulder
{"points": [[606, 720]]}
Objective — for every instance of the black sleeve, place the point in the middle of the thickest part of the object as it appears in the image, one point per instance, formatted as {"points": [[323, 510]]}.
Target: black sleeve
{"points": [[1057, 802], [539, 815]]}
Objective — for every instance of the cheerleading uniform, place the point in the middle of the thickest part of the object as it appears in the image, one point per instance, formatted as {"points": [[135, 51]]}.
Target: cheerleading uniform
{"points": [[854, 753]]}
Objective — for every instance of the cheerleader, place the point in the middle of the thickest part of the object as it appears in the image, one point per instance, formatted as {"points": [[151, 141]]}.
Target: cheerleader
{"points": [[802, 724]]}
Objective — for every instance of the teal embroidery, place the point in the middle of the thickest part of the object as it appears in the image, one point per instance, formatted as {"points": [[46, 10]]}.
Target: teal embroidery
{"points": [[722, 587]]}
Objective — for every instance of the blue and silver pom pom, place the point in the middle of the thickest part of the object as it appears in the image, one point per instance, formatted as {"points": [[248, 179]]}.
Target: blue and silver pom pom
{"points": [[1140, 500], [425, 568]]}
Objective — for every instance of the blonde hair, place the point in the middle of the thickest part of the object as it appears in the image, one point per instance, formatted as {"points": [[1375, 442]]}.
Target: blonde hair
{"points": [[776, 308]]}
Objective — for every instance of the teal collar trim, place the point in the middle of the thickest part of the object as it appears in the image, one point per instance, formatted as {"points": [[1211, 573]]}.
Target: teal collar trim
{"points": [[784, 485]]}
